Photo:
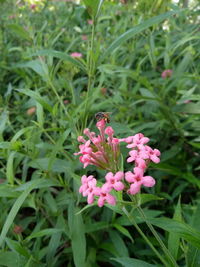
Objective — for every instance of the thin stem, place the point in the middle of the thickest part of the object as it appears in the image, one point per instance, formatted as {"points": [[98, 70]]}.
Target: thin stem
{"points": [[132, 220], [185, 254], [164, 248], [91, 69]]}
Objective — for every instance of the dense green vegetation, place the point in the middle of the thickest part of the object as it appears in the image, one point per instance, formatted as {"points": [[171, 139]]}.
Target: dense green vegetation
{"points": [[48, 97]]}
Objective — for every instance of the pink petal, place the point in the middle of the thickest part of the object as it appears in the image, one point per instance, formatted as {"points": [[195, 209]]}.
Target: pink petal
{"points": [[111, 199], [129, 177], [138, 171], [140, 163], [130, 159], [155, 159], [109, 176], [100, 202], [119, 175], [118, 186], [134, 188], [109, 131], [90, 199], [148, 181], [106, 188]]}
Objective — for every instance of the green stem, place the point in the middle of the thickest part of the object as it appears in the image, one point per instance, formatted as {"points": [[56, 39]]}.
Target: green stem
{"points": [[164, 248], [91, 69], [132, 220]]}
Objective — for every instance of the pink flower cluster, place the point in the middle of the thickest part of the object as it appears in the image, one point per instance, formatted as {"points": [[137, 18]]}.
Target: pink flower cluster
{"points": [[99, 150], [89, 188], [103, 151], [166, 74], [76, 55]]}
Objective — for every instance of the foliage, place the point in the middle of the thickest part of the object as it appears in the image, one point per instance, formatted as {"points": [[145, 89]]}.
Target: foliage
{"points": [[45, 222]]}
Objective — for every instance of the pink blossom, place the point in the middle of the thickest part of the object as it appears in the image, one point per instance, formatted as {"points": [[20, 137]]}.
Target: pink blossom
{"points": [[104, 196], [81, 139], [84, 37], [104, 152], [166, 74], [101, 124], [187, 101], [134, 188], [33, 6], [153, 154], [90, 21], [88, 188], [12, 16], [85, 180], [137, 179], [76, 55], [138, 139], [113, 181], [109, 131]]}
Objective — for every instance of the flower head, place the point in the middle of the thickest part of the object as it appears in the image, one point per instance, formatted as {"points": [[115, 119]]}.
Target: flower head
{"points": [[166, 74], [103, 151], [99, 150], [76, 55], [137, 179]]}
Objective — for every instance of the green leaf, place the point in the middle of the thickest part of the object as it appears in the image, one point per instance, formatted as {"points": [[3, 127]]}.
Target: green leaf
{"points": [[123, 230], [45, 232], [10, 168], [144, 198], [3, 121], [193, 254], [10, 259], [36, 65], [77, 232], [118, 243], [97, 226], [8, 191], [62, 56], [131, 262], [54, 242], [19, 31], [135, 30], [17, 205], [17, 247], [37, 97], [183, 230], [174, 239], [93, 7], [59, 165], [190, 108]]}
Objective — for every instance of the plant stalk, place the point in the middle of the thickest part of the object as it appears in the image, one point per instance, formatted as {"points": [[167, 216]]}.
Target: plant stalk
{"points": [[164, 248], [132, 220]]}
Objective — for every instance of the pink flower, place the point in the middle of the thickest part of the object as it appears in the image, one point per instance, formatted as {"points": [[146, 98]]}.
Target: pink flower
{"points": [[137, 179], [85, 180], [31, 111], [109, 131], [90, 21], [84, 37], [134, 188], [153, 154], [187, 101], [88, 188], [166, 74], [104, 196], [76, 55], [113, 181], [104, 152], [33, 6], [138, 139], [81, 139], [86, 160]]}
